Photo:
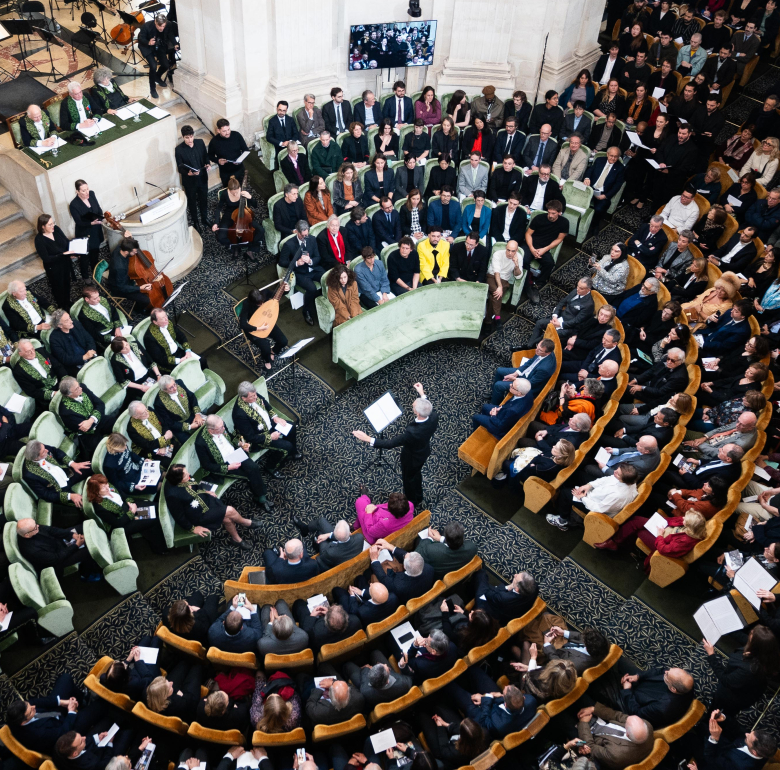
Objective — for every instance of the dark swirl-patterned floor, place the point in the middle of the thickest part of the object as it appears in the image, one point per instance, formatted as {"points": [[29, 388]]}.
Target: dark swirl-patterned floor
{"points": [[457, 377]]}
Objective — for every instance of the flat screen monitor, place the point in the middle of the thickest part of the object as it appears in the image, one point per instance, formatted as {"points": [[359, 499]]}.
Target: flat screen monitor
{"points": [[399, 44]]}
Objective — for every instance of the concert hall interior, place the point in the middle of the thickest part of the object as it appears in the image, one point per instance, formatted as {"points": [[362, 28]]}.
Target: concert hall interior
{"points": [[389, 364]]}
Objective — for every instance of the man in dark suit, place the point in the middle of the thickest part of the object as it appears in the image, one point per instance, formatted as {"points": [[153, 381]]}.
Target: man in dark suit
{"points": [[11, 433], [289, 211], [509, 141], [371, 602], [661, 381], [415, 443], [570, 313], [337, 113], [37, 723], [583, 649], [282, 129], [749, 753], [577, 122], [177, 408], [498, 420], [504, 180], [540, 149], [578, 371], [55, 547], [737, 253], [512, 213], [506, 603], [303, 252], [333, 700], [648, 243], [448, 550], [607, 59], [429, 657], [83, 414], [70, 343], [730, 332], [637, 306], [416, 579], [661, 428], [165, 344], [720, 70], [377, 682], [295, 165], [537, 371], [386, 223], [325, 625], [230, 633], [726, 465], [575, 430], [291, 564], [645, 457], [367, 111], [530, 195], [52, 475], [518, 108], [97, 316], [606, 134], [336, 544], [280, 634], [82, 752], [606, 177], [617, 740], [398, 109], [468, 260]]}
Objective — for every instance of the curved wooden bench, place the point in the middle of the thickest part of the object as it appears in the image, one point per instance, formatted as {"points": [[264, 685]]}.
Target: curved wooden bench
{"points": [[92, 682], [377, 337], [328, 732], [483, 451], [382, 710], [518, 624], [344, 575], [193, 648], [169, 724], [676, 730], [223, 737], [436, 683], [345, 647], [531, 730], [377, 629], [294, 737], [232, 659], [660, 750], [555, 707], [420, 601], [487, 758], [22, 753], [459, 575], [295, 660], [476, 654], [590, 675]]}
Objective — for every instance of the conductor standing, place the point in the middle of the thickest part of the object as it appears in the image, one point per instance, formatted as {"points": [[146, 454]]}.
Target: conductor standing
{"points": [[415, 443]]}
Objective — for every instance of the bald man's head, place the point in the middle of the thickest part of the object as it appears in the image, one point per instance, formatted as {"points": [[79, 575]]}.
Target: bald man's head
{"points": [[609, 368], [636, 730], [679, 680], [747, 421], [379, 593], [339, 694]]}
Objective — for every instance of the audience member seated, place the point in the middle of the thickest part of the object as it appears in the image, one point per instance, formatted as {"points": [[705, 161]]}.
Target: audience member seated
{"points": [[83, 752], [737, 253], [342, 292], [644, 457], [469, 259], [325, 624], [727, 465], [477, 216], [764, 214], [386, 223], [50, 475], [608, 372], [132, 367], [505, 602], [408, 177], [503, 264], [716, 300], [454, 743], [571, 315], [123, 467], [335, 544], [165, 344], [70, 343], [499, 420], [386, 142], [25, 310], [741, 432], [539, 150], [675, 261], [729, 332], [537, 371], [37, 375], [218, 711], [295, 165], [416, 579], [538, 190], [428, 657], [192, 617], [660, 426], [202, 512], [150, 439], [177, 408], [606, 176], [504, 180], [662, 380], [302, 252], [417, 144], [333, 701], [744, 194], [607, 350], [508, 223], [354, 147], [132, 676], [176, 694], [443, 175], [571, 163], [377, 522], [290, 210], [545, 465], [608, 495], [280, 634], [434, 256], [326, 159], [376, 681], [689, 285], [276, 704], [575, 428], [371, 602], [753, 351], [230, 633], [708, 230], [707, 184], [719, 753], [448, 550], [478, 137], [763, 162], [290, 565], [679, 337], [556, 679], [543, 235], [444, 214], [648, 243], [122, 514], [467, 630], [372, 280], [317, 201], [583, 649]]}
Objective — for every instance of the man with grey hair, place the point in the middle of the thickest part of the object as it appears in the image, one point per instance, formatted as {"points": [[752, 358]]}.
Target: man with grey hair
{"points": [[624, 740], [51, 475], [741, 432], [377, 682], [264, 428], [326, 156], [290, 564], [428, 657], [302, 251], [415, 443], [218, 453], [107, 93], [77, 110], [660, 382], [367, 111], [645, 457], [506, 602], [157, 44], [36, 374], [639, 304], [310, 120], [149, 438], [295, 165], [70, 342], [84, 415], [569, 314], [335, 544], [498, 420], [677, 258], [416, 579], [332, 700], [575, 430], [281, 636], [177, 407], [608, 350], [25, 310], [648, 242]]}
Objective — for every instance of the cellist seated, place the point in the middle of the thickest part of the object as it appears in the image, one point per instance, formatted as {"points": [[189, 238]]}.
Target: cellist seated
{"points": [[118, 281], [229, 200]]}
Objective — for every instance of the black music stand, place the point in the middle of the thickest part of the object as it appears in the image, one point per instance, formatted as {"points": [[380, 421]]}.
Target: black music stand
{"points": [[75, 4], [382, 414], [51, 40], [86, 38], [241, 251], [130, 19], [106, 39], [20, 28]]}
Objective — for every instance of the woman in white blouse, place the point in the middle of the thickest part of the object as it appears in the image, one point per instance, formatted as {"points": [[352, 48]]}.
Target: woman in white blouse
{"points": [[132, 367], [763, 162]]}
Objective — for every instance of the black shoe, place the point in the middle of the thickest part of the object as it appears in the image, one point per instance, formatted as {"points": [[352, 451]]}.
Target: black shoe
{"points": [[297, 456], [301, 525], [307, 317], [266, 505], [533, 295], [276, 473], [362, 490], [242, 545], [153, 93], [255, 525]]}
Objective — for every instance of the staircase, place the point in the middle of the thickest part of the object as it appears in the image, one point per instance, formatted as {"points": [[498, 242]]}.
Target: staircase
{"points": [[18, 258]]}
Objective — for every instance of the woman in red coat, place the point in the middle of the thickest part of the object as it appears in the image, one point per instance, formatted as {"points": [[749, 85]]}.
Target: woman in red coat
{"points": [[707, 501], [676, 539]]}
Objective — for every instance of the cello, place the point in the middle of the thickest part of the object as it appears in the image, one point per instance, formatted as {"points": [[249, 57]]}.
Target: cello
{"points": [[123, 33], [142, 270], [242, 230]]}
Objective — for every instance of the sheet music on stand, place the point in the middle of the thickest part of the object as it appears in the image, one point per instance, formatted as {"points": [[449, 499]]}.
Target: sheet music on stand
{"points": [[383, 412], [296, 347], [175, 294]]}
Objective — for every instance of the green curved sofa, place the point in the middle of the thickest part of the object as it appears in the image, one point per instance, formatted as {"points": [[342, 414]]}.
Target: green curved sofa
{"points": [[379, 336]]}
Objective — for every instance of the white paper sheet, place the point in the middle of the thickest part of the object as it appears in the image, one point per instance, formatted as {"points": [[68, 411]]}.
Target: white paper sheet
{"points": [[4, 469], [318, 679], [136, 108], [708, 629], [383, 741], [750, 499], [240, 158], [602, 455], [124, 113], [158, 113], [316, 601], [104, 125], [633, 137], [79, 245], [113, 730], [717, 618], [658, 93], [238, 455], [42, 150], [654, 522], [653, 163], [382, 412], [6, 622], [244, 612], [296, 300], [149, 654], [404, 635], [752, 577], [150, 473], [733, 175], [283, 429], [679, 40], [734, 202], [16, 403], [423, 534], [297, 346], [761, 473]]}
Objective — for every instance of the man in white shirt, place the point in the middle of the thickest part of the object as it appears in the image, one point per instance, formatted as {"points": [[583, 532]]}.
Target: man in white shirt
{"points": [[24, 311], [681, 213], [177, 408], [505, 263], [367, 111], [76, 110], [607, 495], [35, 130], [149, 437], [165, 344], [609, 63]]}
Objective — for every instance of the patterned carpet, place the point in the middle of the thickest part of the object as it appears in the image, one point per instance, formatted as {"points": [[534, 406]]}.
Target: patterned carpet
{"points": [[457, 377]]}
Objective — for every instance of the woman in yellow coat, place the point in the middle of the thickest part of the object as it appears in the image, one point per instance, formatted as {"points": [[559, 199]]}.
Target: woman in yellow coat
{"points": [[719, 298], [343, 294]]}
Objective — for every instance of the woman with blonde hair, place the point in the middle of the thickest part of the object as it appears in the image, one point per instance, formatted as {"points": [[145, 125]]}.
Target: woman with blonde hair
{"points": [[317, 201], [677, 538], [177, 694], [276, 704], [764, 161], [719, 298], [554, 680], [123, 467], [347, 190]]}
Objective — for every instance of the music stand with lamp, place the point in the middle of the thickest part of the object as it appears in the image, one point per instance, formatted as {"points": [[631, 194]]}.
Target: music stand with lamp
{"points": [[22, 28], [87, 38], [105, 36], [132, 22], [382, 414]]}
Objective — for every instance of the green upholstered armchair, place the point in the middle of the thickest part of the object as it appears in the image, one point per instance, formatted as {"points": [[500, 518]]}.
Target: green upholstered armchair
{"points": [[99, 378], [272, 235], [9, 387], [557, 250], [18, 505], [619, 195], [326, 313], [269, 153], [578, 210], [48, 429], [99, 456], [55, 612], [113, 556], [515, 290], [175, 536], [208, 387], [140, 331], [121, 423], [75, 309], [11, 547], [148, 398]]}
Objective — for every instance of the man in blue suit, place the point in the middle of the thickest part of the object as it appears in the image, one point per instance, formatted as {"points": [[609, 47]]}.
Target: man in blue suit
{"points": [[387, 223], [231, 633], [637, 306], [290, 565], [281, 129], [445, 213], [537, 371], [398, 109], [497, 420], [606, 177], [749, 753], [731, 331], [498, 712]]}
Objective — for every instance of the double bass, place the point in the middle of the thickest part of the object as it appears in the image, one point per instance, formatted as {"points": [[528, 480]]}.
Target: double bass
{"points": [[266, 315], [242, 229], [123, 33], [142, 270]]}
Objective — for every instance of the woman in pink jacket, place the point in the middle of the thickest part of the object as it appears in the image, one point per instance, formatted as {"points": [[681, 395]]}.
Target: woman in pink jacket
{"points": [[378, 521]]}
